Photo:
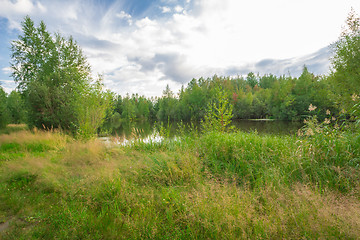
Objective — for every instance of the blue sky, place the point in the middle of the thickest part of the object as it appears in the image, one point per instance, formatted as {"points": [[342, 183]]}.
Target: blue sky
{"points": [[140, 46]]}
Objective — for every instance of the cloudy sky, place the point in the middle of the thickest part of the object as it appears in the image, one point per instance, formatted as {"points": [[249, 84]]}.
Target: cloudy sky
{"points": [[140, 46]]}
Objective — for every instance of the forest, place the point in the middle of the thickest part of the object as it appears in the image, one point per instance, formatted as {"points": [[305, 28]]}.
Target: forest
{"points": [[58, 180]]}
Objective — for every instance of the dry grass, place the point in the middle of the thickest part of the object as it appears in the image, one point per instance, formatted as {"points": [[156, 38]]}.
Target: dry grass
{"points": [[56, 139], [238, 213]]}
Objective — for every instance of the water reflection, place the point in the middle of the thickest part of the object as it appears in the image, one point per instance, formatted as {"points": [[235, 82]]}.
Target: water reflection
{"points": [[126, 131]]}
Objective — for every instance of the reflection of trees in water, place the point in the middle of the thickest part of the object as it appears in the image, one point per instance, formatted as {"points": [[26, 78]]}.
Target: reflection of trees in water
{"points": [[131, 130], [143, 129]]}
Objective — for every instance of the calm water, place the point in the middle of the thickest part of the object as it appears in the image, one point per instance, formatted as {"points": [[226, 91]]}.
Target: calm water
{"points": [[146, 129], [268, 127]]}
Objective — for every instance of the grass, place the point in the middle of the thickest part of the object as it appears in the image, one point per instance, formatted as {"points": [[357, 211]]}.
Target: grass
{"points": [[10, 128], [212, 186]]}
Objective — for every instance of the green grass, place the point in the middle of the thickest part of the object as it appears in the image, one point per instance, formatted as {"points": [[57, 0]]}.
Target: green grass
{"points": [[10, 128], [212, 186], [259, 160]]}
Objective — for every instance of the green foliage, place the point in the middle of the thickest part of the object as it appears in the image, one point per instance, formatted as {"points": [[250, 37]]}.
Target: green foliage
{"points": [[167, 107], [16, 107], [194, 99], [346, 61], [13, 128], [92, 108], [251, 80], [134, 108], [4, 114], [20, 180], [54, 76], [253, 97], [219, 114], [256, 97]]}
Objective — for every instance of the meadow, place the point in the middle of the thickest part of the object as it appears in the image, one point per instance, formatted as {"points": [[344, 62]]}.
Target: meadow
{"points": [[213, 185]]}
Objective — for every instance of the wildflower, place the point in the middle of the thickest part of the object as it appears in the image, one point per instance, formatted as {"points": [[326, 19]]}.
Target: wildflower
{"points": [[354, 97], [327, 121], [309, 132], [327, 112], [312, 108], [299, 133], [333, 118]]}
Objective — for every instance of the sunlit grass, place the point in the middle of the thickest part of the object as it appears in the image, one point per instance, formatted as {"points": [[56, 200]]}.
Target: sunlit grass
{"points": [[13, 128], [213, 186]]}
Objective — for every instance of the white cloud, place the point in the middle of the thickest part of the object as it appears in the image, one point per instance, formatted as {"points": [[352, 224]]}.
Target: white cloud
{"points": [[6, 70], [178, 9], [41, 7], [14, 11], [165, 9], [18, 7], [144, 54], [125, 16], [7, 85]]}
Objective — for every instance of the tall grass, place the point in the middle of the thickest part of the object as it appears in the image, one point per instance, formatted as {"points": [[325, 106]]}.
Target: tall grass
{"points": [[213, 186], [254, 160], [13, 128]]}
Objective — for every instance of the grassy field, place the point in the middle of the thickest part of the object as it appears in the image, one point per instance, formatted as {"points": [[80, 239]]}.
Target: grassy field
{"points": [[210, 186]]}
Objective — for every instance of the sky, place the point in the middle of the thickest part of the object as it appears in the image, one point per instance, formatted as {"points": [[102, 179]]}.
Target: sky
{"points": [[140, 46]]}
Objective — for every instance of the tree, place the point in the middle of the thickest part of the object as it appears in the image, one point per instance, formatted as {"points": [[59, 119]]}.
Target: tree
{"points": [[92, 108], [167, 93], [16, 108], [302, 91], [167, 105], [4, 116], [219, 114], [54, 76], [251, 79], [128, 109], [267, 81], [346, 61], [194, 101]]}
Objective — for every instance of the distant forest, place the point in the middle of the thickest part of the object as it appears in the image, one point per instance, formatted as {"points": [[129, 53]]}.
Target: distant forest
{"points": [[252, 97]]}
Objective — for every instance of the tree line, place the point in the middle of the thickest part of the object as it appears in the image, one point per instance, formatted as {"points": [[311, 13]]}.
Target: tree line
{"points": [[56, 88], [252, 97]]}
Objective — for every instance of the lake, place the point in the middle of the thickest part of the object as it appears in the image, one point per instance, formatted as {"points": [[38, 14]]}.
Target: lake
{"points": [[145, 129]]}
